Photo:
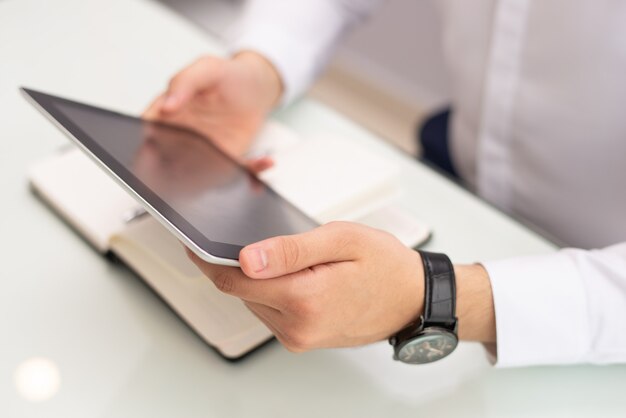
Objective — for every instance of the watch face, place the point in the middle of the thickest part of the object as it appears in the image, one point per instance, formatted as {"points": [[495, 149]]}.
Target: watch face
{"points": [[429, 346]]}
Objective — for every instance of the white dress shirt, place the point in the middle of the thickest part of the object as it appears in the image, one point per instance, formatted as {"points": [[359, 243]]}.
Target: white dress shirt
{"points": [[538, 129]]}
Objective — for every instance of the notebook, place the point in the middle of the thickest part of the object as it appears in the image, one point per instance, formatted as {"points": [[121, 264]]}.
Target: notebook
{"points": [[328, 178]]}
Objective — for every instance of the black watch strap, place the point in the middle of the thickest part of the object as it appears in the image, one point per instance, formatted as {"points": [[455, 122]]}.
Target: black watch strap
{"points": [[439, 292]]}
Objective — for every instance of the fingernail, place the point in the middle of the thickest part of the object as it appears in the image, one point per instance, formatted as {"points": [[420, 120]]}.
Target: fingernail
{"points": [[257, 259], [170, 101]]}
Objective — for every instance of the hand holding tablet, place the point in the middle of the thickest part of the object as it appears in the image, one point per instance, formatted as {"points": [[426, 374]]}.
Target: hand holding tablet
{"points": [[227, 100]]}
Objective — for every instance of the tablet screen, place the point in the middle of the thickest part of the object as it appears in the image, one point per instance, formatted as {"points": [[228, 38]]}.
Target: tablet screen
{"points": [[204, 193]]}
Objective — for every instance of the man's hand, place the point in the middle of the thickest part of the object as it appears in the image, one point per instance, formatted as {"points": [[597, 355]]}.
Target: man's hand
{"points": [[339, 285], [344, 284], [226, 100]]}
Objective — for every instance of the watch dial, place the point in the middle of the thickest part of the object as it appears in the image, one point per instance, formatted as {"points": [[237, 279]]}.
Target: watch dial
{"points": [[428, 347]]}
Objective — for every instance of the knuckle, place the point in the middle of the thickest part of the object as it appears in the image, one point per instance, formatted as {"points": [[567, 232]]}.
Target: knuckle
{"points": [[289, 252], [346, 236], [204, 65], [347, 231], [339, 226], [176, 80], [224, 282]]}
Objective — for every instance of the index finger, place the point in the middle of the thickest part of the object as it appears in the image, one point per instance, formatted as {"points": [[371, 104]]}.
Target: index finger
{"points": [[232, 281]]}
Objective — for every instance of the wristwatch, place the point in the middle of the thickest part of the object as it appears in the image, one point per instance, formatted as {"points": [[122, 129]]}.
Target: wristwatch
{"points": [[434, 335]]}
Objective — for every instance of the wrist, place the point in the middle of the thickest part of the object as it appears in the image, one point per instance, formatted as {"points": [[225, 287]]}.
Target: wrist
{"points": [[434, 336], [475, 308], [416, 291], [411, 295], [266, 76]]}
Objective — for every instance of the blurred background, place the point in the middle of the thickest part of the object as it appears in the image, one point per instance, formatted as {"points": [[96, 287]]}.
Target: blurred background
{"points": [[386, 89]]}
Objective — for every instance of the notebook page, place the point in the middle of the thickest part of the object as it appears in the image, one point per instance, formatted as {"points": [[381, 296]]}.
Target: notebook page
{"points": [[154, 253]]}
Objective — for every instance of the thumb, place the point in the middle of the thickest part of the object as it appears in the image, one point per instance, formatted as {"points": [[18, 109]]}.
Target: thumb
{"points": [[279, 256], [196, 78]]}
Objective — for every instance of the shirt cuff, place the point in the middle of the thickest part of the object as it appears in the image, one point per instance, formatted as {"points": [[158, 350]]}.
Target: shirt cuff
{"points": [[541, 310], [291, 60]]}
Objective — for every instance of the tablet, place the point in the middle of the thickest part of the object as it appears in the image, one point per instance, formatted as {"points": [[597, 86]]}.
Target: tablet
{"points": [[211, 203]]}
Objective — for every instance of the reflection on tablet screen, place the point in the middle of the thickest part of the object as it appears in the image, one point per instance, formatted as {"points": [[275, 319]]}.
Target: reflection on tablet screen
{"points": [[182, 173]]}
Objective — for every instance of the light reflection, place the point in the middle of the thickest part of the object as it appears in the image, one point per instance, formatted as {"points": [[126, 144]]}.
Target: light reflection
{"points": [[37, 379]]}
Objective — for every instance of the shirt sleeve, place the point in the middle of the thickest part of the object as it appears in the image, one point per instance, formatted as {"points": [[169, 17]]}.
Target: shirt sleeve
{"points": [[564, 308], [297, 37]]}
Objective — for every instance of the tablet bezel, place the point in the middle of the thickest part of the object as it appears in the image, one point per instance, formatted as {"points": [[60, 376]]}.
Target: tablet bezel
{"points": [[212, 251]]}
